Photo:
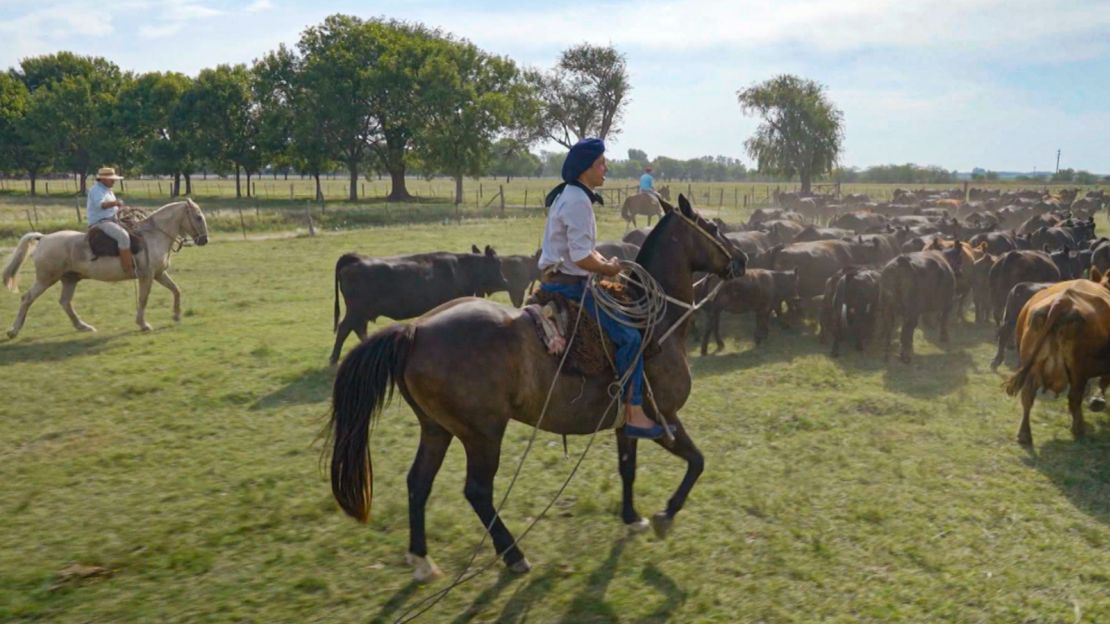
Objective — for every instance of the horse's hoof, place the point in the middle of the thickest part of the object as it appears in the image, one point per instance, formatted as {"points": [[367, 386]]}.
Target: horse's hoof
{"points": [[145, 327], [85, 327], [12, 333], [1097, 404], [424, 570], [1025, 440], [520, 567], [639, 526], [661, 523]]}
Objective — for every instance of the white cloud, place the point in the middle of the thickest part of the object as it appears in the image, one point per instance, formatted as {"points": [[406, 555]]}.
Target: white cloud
{"points": [[259, 6]]}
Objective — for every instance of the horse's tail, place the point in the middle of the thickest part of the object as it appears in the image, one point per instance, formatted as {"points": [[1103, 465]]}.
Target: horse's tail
{"points": [[626, 211], [343, 261], [363, 387], [1061, 306], [11, 271]]}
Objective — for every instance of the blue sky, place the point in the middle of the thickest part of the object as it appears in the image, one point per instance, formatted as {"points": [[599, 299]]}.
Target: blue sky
{"points": [[999, 84]]}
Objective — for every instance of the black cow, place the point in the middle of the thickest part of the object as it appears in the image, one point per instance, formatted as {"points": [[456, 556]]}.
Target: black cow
{"points": [[1018, 266], [913, 284], [403, 287]]}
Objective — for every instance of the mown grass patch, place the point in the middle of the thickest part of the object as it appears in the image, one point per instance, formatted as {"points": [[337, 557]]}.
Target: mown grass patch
{"points": [[184, 461]]}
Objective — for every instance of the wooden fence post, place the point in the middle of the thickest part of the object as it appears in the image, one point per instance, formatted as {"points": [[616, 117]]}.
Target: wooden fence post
{"points": [[290, 191], [47, 184], [502, 194], [242, 222], [308, 216], [525, 198], [76, 207]]}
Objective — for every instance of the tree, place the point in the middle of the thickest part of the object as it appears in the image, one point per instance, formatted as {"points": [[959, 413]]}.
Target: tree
{"points": [[154, 111], [18, 146], [468, 103], [337, 66], [1085, 178], [801, 132], [584, 95], [638, 155], [221, 101], [1063, 176], [14, 100], [71, 117], [294, 132]]}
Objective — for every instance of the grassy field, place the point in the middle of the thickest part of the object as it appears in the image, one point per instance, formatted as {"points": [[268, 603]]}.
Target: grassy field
{"points": [[178, 469]]}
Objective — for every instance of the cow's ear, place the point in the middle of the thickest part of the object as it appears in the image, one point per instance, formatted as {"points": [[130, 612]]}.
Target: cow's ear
{"points": [[474, 249], [490, 253]]}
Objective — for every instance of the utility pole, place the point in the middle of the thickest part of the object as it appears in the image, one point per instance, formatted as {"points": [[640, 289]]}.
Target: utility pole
{"points": [[1057, 161]]}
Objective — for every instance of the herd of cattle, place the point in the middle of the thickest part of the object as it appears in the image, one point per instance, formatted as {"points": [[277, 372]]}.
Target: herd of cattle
{"points": [[857, 267]]}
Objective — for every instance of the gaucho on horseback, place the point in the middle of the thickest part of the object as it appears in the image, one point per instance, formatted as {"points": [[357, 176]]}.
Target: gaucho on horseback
{"points": [[102, 208], [568, 258]]}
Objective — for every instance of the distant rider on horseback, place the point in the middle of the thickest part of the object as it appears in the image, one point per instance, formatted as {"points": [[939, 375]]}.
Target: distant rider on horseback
{"points": [[568, 258], [102, 208], [647, 182]]}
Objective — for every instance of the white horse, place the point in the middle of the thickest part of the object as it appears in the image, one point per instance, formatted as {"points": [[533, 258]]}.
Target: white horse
{"points": [[66, 256]]}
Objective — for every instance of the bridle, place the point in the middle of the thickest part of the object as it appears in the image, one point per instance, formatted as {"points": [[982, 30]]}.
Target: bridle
{"points": [[178, 240]]}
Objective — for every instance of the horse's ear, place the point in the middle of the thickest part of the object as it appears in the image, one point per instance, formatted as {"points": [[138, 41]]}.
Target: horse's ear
{"points": [[684, 206], [474, 249], [490, 253], [1096, 275]]}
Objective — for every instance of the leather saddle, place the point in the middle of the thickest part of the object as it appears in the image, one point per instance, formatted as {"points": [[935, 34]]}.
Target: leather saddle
{"points": [[104, 245], [592, 352]]}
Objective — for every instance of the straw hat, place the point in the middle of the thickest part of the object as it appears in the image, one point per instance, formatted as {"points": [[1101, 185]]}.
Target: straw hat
{"points": [[107, 173]]}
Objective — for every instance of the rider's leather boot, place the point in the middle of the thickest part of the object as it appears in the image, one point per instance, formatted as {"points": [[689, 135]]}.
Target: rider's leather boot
{"points": [[127, 261]]}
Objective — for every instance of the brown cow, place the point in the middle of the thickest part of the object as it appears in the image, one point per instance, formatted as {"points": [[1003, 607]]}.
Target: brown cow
{"points": [[914, 284], [758, 291], [817, 261], [853, 307], [1023, 265], [1019, 295], [1063, 334]]}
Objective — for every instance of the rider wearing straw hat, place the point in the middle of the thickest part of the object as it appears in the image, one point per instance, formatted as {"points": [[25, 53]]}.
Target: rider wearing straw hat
{"points": [[569, 256], [102, 208]]}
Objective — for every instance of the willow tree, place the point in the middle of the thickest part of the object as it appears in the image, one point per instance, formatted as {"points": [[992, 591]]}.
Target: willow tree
{"points": [[801, 130]]}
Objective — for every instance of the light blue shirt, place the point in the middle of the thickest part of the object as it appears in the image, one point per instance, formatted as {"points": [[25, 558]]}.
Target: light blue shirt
{"points": [[99, 194], [647, 183], [571, 232]]}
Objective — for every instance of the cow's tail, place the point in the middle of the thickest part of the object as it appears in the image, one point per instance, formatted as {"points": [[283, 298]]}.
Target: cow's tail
{"points": [[840, 298], [363, 387], [343, 261], [1059, 307], [11, 271]]}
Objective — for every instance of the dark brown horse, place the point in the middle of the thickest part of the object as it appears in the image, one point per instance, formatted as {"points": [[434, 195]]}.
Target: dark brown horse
{"points": [[470, 366]]}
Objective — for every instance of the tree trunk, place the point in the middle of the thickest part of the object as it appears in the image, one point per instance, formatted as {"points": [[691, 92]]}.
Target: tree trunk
{"points": [[397, 191], [238, 189], [34, 178], [84, 185], [176, 185], [319, 190], [458, 189], [806, 178], [188, 184], [352, 167], [249, 184]]}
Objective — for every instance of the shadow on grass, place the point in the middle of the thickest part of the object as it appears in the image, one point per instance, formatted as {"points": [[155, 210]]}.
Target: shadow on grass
{"points": [[781, 346], [928, 375], [518, 607], [21, 350], [590, 602], [311, 386], [395, 602], [1080, 468]]}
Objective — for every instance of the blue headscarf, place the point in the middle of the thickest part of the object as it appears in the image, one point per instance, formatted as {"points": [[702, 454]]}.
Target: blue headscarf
{"points": [[580, 158]]}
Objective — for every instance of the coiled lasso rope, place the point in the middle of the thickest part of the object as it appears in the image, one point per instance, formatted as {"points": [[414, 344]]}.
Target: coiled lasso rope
{"points": [[643, 311]]}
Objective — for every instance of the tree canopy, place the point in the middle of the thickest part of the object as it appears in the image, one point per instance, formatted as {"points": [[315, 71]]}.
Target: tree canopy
{"points": [[585, 95], [801, 131]]}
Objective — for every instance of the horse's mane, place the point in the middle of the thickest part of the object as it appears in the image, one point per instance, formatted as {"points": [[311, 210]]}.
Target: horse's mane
{"points": [[651, 246], [187, 200]]}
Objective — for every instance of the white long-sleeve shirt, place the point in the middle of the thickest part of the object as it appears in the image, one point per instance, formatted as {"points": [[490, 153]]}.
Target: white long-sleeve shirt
{"points": [[571, 232]]}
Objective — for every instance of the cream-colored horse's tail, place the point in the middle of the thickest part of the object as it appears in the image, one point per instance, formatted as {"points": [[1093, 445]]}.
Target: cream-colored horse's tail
{"points": [[26, 246]]}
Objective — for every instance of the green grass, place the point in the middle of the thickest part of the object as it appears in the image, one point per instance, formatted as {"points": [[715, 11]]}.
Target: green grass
{"points": [[847, 490]]}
